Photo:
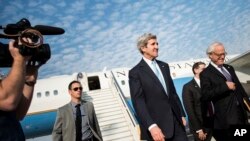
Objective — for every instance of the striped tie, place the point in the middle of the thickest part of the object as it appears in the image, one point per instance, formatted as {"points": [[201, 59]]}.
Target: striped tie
{"points": [[229, 78], [226, 74]]}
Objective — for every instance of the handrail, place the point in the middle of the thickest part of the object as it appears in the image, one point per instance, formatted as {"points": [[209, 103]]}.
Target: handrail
{"points": [[121, 94], [122, 97]]}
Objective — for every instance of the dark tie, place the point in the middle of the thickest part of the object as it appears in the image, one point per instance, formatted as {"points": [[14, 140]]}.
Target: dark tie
{"points": [[78, 123], [226, 74]]}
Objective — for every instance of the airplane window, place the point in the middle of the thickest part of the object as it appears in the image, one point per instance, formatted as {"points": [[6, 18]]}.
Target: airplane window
{"points": [[55, 92], [123, 82], [47, 93], [39, 94]]}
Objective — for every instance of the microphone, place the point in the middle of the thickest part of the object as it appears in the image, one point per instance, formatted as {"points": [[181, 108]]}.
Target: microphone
{"points": [[13, 29], [48, 30]]}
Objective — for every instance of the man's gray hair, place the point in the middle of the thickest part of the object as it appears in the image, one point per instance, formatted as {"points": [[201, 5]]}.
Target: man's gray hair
{"points": [[210, 49], [143, 40]]}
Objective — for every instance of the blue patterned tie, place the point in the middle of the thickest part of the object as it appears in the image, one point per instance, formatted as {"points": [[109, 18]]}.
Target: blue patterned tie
{"points": [[226, 74], [157, 73]]}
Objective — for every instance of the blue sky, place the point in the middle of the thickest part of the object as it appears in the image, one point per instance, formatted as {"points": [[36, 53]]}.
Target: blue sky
{"points": [[103, 33]]}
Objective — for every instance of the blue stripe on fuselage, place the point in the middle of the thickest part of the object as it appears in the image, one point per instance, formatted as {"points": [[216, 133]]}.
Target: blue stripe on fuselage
{"points": [[36, 125]]}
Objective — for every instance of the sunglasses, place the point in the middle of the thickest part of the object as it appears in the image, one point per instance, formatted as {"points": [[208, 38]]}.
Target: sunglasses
{"points": [[77, 88]]}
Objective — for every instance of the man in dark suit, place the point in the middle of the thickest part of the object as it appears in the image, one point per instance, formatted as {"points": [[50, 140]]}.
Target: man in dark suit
{"points": [[66, 126], [191, 95], [156, 103], [220, 85]]}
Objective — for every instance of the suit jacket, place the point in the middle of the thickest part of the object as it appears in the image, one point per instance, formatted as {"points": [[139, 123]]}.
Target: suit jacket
{"points": [[150, 101], [64, 127], [227, 103], [191, 95]]}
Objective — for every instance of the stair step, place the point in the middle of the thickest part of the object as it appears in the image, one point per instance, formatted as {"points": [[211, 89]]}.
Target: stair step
{"points": [[112, 126], [108, 110], [101, 96], [106, 104], [111, 105], [103, 115], [115, 131], [104, 101], [112, 122], [117, 136], [110, 115]]}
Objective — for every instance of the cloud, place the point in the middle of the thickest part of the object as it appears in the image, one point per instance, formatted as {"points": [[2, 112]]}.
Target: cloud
{"points": [[103, 34]]}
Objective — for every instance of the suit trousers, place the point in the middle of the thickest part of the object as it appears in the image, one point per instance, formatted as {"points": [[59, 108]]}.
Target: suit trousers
{"points": [[179, 132], [224, 134]]}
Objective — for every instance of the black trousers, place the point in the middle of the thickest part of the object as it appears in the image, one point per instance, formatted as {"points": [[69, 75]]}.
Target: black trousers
{"points": [[179, 132], [225, 134]]}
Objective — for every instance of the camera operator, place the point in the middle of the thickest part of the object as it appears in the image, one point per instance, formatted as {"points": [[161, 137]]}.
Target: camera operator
{"points": [[16, 91]]}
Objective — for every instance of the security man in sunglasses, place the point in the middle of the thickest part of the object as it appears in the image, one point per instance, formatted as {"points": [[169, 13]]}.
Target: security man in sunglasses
{"points": [[76, 121]]}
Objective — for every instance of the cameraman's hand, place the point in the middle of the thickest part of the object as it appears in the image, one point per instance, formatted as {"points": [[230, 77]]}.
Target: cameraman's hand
{"points": [[14, 51]]}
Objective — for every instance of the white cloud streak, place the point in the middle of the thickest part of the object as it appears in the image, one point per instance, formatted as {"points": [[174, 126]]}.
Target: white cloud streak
{"points": [[103, 34]]}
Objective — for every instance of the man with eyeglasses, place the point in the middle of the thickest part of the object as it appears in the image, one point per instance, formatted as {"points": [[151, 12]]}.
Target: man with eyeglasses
{"points": [[76, 121], [220, 85]]}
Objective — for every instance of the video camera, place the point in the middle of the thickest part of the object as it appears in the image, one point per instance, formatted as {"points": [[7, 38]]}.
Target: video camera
{"points": [[38, 51]]}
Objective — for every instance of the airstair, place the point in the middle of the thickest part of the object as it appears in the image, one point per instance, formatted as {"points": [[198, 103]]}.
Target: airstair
{"points": [[114, 117]]}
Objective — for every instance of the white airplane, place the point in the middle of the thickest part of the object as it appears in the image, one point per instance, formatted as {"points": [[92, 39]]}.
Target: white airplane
{"points": [[109, 91]]}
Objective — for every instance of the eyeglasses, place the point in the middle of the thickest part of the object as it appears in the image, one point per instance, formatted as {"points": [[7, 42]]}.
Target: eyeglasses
{"points": [[77, 88], [221, 54]]}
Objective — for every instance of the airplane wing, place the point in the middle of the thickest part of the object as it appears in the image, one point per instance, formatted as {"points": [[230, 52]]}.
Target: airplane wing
{"points": [[241, 65]]}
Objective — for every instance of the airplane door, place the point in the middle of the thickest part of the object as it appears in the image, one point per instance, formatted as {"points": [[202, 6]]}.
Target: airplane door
{"points": [[94, 83]]}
